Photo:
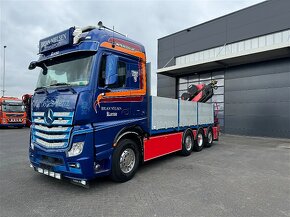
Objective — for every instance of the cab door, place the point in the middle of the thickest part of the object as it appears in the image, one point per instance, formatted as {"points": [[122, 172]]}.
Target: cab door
{"points": [[114, 101]]}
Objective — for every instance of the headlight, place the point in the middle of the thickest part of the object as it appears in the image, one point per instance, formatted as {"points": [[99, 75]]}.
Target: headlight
{"points": [[76, 149]]}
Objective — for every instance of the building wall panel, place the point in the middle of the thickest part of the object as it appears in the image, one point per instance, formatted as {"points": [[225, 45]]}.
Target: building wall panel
{"points": [[258, 105]]}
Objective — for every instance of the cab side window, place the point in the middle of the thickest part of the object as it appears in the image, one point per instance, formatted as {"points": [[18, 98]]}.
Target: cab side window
{"points": [[121, 76], [122, 71]]}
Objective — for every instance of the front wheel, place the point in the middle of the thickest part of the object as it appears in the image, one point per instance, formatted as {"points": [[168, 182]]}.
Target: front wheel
{"points": [[125, 161]]}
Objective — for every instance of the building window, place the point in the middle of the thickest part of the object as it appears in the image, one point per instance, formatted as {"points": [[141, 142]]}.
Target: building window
{"points": [[235, 48], [286, 36], [262, 41], [269, 40], [241, 46], [212, 55], [278, 38], [255, 43], [182, 86], [248, 45]]}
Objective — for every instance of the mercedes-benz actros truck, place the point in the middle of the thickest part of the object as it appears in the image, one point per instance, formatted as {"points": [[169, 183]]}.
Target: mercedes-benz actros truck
{"points": [[92, 114]]}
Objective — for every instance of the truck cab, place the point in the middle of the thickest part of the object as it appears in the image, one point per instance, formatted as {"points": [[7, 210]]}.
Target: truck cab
{"points": [[91, 113], [12, 113]]}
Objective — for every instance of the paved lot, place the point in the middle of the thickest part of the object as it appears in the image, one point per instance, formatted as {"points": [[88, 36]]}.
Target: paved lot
{"points": [[236, 177]]}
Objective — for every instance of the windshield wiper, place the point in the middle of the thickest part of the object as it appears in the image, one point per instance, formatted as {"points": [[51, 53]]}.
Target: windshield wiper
{"points": [[67, 87], [60, 84], [41, 90]]}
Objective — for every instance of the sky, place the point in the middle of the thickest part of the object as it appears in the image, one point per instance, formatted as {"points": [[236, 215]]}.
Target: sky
{"points": [[24, 22]]}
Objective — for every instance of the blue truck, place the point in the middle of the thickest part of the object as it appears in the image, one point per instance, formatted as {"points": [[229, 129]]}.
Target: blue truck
{"points": [[92, 114]]}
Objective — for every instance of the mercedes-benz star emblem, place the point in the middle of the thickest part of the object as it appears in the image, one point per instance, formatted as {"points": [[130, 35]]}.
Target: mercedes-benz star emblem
{"points": [[48, 117]]}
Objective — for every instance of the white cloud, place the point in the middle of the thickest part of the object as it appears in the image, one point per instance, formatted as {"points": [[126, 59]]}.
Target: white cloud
{"points": [[24, 23]]}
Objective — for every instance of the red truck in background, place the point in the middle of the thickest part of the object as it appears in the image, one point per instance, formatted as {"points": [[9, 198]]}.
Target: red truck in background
{"points": [[12, 112]]}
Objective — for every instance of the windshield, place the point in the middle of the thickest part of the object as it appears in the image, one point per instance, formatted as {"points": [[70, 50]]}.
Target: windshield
{"points": [[66, 71], [12, 108]]}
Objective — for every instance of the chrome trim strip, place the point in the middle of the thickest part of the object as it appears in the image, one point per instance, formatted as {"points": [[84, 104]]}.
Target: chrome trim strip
{"points": [[38, 114], [63, 114], [50, 145], [51, 137], [52, 129]]}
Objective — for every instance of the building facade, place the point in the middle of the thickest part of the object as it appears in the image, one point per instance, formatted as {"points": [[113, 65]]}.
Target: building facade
{"points": [[248, 53]]}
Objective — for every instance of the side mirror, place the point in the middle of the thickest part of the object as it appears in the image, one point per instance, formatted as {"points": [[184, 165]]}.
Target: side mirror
{"points": [[32, 65], [111, 70], [35, 64]]}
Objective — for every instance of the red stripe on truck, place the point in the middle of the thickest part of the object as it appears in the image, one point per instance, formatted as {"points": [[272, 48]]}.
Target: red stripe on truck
{"points": [[157, 146]]}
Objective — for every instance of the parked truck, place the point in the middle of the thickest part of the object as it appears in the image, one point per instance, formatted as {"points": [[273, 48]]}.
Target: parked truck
{"points": [[12, 113], [92, 114]]}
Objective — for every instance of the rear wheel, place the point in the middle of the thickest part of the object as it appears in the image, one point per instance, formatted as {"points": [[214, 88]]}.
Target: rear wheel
{"points": [[187, 143], [209, 138], [125, 161], [199, 142]]}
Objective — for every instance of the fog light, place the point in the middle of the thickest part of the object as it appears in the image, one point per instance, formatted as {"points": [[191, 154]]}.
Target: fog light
{"points": [[57, 176], [79, 182], [45, 172], [97, 167], [74, 165], [76, 149]]}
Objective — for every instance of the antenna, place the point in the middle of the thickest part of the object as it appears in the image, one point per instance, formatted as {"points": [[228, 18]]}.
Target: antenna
{"points": [[100, 24], [113, 44]]}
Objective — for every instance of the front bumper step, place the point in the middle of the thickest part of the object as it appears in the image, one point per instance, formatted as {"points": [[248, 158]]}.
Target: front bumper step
{"points": [[83, 183]]}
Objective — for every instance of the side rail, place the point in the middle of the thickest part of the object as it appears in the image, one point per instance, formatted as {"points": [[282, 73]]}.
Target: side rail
{"points": [[174, 114]]}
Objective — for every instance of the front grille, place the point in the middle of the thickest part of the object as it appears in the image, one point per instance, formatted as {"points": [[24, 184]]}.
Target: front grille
{"points": [[14, 118], [14, 115], [53, 135]]}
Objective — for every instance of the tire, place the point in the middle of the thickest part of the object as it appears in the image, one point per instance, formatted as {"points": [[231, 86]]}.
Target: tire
{"points": [[209, 138], [199, 142], [125, 160], [187, 143]]}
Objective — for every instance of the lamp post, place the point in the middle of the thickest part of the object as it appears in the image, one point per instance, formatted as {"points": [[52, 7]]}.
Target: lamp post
{"points": [[4, 70]]}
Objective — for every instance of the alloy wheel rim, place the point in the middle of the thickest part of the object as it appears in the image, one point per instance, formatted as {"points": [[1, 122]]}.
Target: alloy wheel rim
{"points": [[199, 139], [209, 137], [188, 143], [127, 160]]}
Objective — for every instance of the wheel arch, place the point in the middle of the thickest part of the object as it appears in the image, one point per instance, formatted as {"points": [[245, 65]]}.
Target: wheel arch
{"points": [[184, 133], [135, 132]]}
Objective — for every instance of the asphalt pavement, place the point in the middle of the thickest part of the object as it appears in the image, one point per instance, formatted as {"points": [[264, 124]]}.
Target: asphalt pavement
{"points": [[237, 176]]}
